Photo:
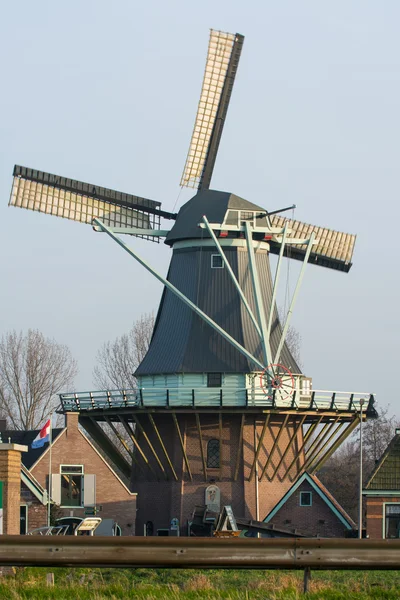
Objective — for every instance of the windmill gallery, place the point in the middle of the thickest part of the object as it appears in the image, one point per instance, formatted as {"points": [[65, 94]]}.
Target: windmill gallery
{"points": [[222, 414]]}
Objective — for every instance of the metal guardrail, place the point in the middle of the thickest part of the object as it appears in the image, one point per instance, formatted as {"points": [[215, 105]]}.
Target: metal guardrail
{"points": [[199, 553], [215, 397]]}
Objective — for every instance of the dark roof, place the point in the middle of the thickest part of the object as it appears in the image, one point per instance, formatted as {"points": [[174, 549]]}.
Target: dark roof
{"points": [[386, 474], [183, 343], [212, 203], [25, 438]]}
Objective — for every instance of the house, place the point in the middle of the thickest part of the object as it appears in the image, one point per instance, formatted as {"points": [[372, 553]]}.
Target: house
{"points": [[382, 494], [81, 479], [312, 510]]}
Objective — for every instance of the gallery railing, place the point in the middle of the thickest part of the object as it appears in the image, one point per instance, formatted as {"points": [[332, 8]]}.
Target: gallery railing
{"points": [[317, 400]]}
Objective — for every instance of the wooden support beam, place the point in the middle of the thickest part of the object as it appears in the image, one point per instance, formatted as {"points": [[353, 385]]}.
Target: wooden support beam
{"points": [[171, 466], [317, 445], [259, 445], [349, 429], [310, 431], [289, 445], [119, 436], [283, 426], [203, 459], [101, 438], [185, 457], [136, 443], [146, 437], [220, 446], [324, 445], [240, 448]]}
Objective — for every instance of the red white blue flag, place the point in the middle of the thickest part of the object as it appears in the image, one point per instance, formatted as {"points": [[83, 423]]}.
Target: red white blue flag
{"points": [[43, 436]]}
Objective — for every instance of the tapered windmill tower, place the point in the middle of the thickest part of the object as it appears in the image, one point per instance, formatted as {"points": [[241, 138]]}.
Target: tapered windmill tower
{"points": [[222, 413]]}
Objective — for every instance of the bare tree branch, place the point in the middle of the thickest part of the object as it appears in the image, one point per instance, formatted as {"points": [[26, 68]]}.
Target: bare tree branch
{"points": [[118, 360], [33, 370]]}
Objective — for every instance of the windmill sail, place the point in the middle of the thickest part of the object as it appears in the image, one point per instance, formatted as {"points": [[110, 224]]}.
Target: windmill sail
{"points": [[334, 249], [222, 61], [82, 202]]}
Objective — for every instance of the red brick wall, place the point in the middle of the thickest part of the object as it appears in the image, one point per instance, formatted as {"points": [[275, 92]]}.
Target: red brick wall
{"points": [[315, 520], [37, 513], [72, 448], [159, 501], [375, 515]]}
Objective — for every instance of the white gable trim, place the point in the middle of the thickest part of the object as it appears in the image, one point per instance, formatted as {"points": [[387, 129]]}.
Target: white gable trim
{"points": [[33, 485], [306, 477], [97, 452], [107, 465], [48, 448]]}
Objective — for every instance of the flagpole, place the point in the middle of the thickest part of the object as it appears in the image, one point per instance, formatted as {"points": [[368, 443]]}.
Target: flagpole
{"points": [[49, 490]]}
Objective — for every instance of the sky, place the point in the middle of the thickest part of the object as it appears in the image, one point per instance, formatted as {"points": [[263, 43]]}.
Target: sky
{"points": [[107, 92]]}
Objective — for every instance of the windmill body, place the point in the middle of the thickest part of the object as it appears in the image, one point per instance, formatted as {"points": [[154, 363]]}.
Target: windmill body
{"points": [[222, 413]]}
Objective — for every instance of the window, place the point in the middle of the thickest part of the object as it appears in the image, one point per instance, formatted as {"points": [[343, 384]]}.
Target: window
{"points": [[392, 521], [214, 380], [213, 454], [305, 498], [246, 216], [231, 217], [23, 519], [71, 485], [216, 261]]}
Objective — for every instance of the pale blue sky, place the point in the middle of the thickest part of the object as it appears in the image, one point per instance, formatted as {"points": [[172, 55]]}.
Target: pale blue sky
{"points": [[106, 92]]}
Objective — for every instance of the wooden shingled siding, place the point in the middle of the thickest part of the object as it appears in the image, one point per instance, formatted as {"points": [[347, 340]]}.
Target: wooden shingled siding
{"points": [[387, 471], [331, 244]]}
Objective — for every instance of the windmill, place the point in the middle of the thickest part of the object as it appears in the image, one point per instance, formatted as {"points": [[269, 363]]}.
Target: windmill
{"points": [[222, 412]]}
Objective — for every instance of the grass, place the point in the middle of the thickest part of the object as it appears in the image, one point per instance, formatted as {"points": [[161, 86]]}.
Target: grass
{"points": [[157, 584]]}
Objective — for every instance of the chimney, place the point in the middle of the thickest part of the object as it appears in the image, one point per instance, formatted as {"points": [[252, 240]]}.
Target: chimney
{"points": [[71, 420]]}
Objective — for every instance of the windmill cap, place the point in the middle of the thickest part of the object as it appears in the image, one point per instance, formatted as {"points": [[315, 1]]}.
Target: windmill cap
{"points": [[212, 204]]}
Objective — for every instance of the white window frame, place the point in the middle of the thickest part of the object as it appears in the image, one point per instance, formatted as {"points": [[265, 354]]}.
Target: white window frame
{"points": [[384, 517], [243, 220], [212, 261], [82, 475], [301, 503], [232, 210]]}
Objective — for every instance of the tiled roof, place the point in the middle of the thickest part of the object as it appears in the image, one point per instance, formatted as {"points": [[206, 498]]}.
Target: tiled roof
{"points": [[386, 475], [25, 438]]}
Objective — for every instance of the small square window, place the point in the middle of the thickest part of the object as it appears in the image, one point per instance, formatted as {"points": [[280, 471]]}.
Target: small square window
{"points": [[216, 261], [305, 498], [214, 379], [246, 216]]}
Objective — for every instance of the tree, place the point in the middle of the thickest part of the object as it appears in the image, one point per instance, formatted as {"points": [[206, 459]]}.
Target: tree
{"points": [[118, 360], [377, 434], [33, 370]]}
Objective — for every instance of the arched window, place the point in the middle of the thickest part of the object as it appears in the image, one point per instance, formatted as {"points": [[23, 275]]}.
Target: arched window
{"points": [[213, 454]]}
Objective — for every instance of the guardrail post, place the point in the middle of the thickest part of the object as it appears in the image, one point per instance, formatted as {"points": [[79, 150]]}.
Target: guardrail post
{"points": [[306, 580]]}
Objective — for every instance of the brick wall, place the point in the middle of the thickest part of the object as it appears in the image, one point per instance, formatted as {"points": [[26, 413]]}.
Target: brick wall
{"points": [[315, 520], [72, 448], [159, 501], [375, 515], [37, 512]]}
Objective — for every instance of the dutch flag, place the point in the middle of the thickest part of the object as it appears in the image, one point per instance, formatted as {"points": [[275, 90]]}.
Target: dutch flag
{"points": [[43, 436]]}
